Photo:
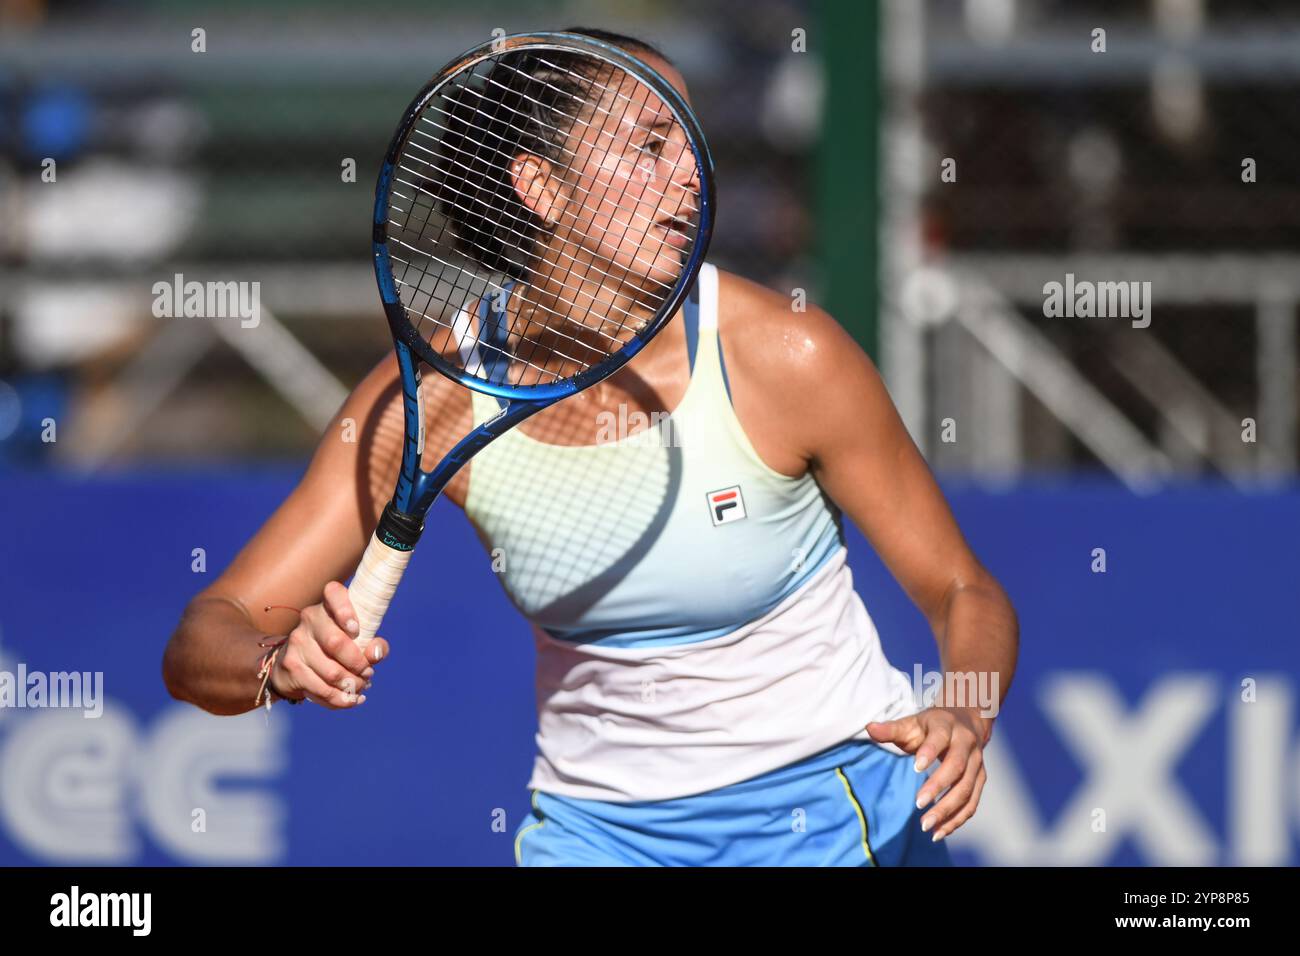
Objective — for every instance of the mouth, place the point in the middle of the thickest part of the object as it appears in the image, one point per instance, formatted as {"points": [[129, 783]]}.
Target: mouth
{"points": [[676, 230]]}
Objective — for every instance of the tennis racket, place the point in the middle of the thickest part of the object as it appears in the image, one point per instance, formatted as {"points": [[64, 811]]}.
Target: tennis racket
{"points": [[542, 211]]}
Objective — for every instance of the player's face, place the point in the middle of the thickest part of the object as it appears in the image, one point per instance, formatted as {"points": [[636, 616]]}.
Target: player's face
{"points": [[633, 186]]}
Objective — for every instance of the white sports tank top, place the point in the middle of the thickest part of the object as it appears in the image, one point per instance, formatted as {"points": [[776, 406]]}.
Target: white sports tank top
{"points": [[694, 615]]}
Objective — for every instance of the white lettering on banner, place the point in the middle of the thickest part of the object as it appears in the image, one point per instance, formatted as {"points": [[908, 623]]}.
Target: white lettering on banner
{"points": [[1128, 759], [1257, 769], [64, 785], [72, 791], [86, 791], [187, 755]]}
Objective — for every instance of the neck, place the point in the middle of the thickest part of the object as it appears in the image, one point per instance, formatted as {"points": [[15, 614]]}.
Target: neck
{"points": [[592, 301]]}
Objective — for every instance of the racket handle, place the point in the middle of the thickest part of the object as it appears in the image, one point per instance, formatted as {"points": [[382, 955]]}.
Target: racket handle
{"points": [[381, 569], [372, 587]]}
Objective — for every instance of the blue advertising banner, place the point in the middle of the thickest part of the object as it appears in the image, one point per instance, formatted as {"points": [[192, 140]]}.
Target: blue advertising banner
{"points": [[1152, 721]]}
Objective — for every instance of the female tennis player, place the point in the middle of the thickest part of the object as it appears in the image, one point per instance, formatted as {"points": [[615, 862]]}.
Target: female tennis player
{"points": [[711, 688]]}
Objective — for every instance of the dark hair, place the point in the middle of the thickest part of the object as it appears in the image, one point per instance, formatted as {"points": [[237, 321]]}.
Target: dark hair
{"points": [[623, 42], [491, 224]]}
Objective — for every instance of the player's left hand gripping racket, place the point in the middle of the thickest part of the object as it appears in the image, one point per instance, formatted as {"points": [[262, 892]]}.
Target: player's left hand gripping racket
{"points": [[543, 210]]}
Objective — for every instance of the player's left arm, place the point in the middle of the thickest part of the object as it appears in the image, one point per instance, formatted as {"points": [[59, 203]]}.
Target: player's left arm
{"points": [[858, 449]]}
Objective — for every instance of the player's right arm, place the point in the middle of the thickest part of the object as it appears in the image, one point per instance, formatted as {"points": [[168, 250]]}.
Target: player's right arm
{"points": [[298, 558]]}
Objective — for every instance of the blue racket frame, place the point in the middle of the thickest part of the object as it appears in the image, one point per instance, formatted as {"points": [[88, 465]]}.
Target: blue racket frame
{"points": [[417, 489]]}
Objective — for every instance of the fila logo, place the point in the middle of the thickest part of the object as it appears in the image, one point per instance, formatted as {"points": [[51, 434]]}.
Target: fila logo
{"points": [[726, 505]]}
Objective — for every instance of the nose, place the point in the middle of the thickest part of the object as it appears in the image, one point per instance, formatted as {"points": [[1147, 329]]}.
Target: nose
{"points": [[691, 172], [686, 172]]}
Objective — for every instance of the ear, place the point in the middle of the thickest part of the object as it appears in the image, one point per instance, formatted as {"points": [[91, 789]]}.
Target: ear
{"points": [[537, 186]]}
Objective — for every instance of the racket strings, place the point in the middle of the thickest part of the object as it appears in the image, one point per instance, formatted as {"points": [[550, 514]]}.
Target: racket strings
{"points": [[594, 81], [472, 227], [688, 208], [475, 176], [614, 341], [574, 120], [682, 207], [458, 272], [453, 328], [506, 141], [460, 344], [460, 330], [590, 264], [552, 267], [562, 317], [439, 196]]}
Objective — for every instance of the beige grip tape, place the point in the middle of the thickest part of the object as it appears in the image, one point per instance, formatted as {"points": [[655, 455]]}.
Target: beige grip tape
{"points": [[373, 585]]}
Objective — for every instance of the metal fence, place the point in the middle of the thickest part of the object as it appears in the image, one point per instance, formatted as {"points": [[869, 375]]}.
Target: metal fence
{"points": [[1094, 145], [979, 149], [170, 142]]}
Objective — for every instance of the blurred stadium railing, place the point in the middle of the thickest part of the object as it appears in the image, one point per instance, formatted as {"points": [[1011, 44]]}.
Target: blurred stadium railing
{"points": [[226, 165], [1116, 165]]}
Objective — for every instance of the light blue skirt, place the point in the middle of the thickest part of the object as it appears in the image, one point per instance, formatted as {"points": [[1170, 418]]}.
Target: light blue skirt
{"points": [[853, 804]]}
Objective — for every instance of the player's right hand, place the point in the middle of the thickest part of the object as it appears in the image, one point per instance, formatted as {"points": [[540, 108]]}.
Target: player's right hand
{"points": [[321, 660]]}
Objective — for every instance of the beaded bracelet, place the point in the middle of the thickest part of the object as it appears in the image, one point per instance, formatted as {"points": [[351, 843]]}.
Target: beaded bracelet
{"points": [[264, 672]]}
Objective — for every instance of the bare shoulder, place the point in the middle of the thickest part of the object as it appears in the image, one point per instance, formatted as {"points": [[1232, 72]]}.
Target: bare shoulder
{"points": [[772, 340], [780, 361]]}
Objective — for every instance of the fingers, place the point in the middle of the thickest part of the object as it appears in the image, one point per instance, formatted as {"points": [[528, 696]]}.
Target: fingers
{"points": [[339, 607], [376, 650], [321, 658], [967, 811], [936, 742], [906, 733], [334, 624], [318, 692], [961, 772], [958, 774], [323, 681]]}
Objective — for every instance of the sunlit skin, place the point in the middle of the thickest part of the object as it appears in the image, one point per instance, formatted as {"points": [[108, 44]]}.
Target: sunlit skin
{"points": [[615, 211], [810, 401]]}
